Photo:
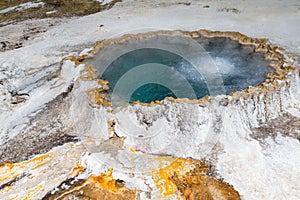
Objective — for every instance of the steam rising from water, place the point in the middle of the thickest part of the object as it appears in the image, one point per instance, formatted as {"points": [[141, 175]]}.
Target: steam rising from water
{"points": [[237, 65]]}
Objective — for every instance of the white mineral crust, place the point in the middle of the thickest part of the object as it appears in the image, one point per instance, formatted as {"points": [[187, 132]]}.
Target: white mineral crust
{"points": [[257, 169]]}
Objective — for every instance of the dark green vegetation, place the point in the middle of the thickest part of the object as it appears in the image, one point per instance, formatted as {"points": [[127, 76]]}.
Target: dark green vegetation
{"points": [[62, 8]]}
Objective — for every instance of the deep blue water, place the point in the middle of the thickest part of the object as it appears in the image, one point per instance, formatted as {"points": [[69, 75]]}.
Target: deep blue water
{"points": [[238, 66]]}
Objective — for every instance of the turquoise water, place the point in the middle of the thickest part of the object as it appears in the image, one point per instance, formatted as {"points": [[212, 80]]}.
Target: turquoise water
{"points": [[153, 91], [237, 65], [149, 92]]}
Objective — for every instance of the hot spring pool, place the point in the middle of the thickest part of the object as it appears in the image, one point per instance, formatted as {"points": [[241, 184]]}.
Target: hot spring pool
{"points": [[152, 68]]}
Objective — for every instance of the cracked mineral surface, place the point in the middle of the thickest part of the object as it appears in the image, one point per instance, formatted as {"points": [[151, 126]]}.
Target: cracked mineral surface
{"points": [[62, 137]]}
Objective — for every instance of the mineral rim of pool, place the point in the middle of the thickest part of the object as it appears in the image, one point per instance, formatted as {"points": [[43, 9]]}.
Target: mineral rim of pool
{"points": [[222, 63], [153, 68]]}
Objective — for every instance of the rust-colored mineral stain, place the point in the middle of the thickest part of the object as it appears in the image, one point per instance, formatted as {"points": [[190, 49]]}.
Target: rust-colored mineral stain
{"points": [[111, 126], [191, 178], [32, 192], [103, 82], [196, 185], [271, 53], [40, 161], [10, 170], [14, 198], [104, 181], [88, 73], [133, 150], [5, 190], [162, 177], [102, 187], [76, 170], [97, 95], [74, 59], [88, 140]]}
